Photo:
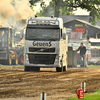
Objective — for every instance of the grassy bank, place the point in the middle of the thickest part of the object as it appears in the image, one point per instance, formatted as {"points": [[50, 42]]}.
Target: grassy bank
{"points": [[94, 66], [94, 96], [11, 65]]}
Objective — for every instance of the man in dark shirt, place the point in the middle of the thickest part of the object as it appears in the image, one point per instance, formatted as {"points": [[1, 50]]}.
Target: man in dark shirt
{"points": [[82, 50]]}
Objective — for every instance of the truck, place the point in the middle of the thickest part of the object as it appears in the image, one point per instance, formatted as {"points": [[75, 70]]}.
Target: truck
{"points": [[46, 44], [95, 51], [7, 46]]}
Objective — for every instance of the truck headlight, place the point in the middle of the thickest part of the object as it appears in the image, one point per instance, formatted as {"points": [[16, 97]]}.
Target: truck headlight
{"points": [[26, 57], [57, 58]]}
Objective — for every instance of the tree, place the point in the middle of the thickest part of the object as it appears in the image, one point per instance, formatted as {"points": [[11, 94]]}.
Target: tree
{"points": [[66, 7], [49, 10], [32, 2], [90, 5]]}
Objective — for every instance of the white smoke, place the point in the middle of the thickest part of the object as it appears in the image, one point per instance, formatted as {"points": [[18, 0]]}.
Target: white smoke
{"points": [[15, 12]]}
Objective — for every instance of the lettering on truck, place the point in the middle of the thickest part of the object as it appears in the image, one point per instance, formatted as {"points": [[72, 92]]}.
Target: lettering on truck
{"points": [[42, 43]]}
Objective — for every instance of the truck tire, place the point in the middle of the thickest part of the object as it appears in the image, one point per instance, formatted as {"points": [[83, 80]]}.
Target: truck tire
{"points": [[15, 61], [26, 68], [1, 61], [65, 68], [8, 61], [35, 69], [58, 69], [21, 59]]}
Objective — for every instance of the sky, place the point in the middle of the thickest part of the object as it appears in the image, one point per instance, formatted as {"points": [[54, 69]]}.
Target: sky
{"points": [[81, 12], [78, 12]]}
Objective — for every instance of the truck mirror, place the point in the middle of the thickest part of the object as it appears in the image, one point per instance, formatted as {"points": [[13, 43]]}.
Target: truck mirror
{"points": [[64, 36], [21, 34]]}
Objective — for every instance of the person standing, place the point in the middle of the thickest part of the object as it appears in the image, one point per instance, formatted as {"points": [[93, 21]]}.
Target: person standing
{"points": [[82, 50], [17, 51]]}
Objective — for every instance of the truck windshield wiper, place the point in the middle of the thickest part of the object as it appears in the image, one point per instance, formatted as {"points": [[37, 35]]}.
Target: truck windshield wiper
{"points": [[49, 37], [33, 37]]}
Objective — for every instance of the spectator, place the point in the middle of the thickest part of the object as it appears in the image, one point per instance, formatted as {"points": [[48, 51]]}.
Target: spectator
{"points": [[82, 50], [17, 51]]}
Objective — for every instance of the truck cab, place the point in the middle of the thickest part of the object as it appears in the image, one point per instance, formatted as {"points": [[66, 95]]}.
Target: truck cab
{"points": [[95, 51], [46, 44]]}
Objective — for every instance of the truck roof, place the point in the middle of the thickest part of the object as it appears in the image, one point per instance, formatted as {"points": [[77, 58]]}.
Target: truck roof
{"points": [[51, 20], [45, 18]]}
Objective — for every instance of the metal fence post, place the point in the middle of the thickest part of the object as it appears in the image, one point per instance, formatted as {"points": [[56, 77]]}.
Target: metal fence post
{"points": [[43, 96], [84, 86]]}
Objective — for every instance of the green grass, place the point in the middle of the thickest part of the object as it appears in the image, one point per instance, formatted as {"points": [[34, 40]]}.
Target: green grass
{"points": [[94, 66], [11, 65], [94, 96]]}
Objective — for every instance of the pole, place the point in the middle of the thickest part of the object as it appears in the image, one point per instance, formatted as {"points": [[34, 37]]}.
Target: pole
{"points": [[84, 86], [43, 96], [81, 84]]}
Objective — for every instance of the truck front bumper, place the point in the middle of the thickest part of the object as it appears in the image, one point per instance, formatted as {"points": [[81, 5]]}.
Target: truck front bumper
{"points": [[42, 65]]}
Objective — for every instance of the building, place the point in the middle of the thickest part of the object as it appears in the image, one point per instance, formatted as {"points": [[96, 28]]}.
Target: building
{"points": [[81, 24]]}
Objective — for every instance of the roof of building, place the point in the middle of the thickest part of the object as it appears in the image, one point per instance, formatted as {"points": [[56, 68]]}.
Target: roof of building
{"points": [[85, 22], [67, 18]]}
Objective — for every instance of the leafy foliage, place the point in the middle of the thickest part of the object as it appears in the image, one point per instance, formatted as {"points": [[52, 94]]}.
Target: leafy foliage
{"points": [[47, 12], [65, 7], [90, 5], [32, 2]]}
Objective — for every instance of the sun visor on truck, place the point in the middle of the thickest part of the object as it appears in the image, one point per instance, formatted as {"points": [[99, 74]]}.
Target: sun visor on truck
{"points": [[42, 26]]}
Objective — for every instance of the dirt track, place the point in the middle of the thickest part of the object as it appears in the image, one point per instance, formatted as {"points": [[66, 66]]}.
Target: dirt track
{"points": [[15, 84]]}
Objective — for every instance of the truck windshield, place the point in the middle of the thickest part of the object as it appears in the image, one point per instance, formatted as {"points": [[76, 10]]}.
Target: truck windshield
{"points": [[44, 34], [3, 37]]}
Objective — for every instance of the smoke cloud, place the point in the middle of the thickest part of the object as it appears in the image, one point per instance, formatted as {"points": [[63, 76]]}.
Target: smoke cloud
{"points": [[15, 12]]}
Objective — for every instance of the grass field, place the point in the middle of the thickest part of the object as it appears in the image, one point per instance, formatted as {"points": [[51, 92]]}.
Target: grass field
{"points": [[94, 96], [11, 65], [93, 66]]}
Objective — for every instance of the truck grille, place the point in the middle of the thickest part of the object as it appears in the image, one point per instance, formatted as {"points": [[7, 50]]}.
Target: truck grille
{"points": [[41, 58], [3, 55], [41, 49]]}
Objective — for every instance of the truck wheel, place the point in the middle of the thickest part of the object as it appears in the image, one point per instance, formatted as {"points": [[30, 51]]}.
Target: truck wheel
{"points": [[58, 69], [15, 61], [21, 59], [7, 61], [65, 68], [36, 69], [2, 62], [26, 68]]}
